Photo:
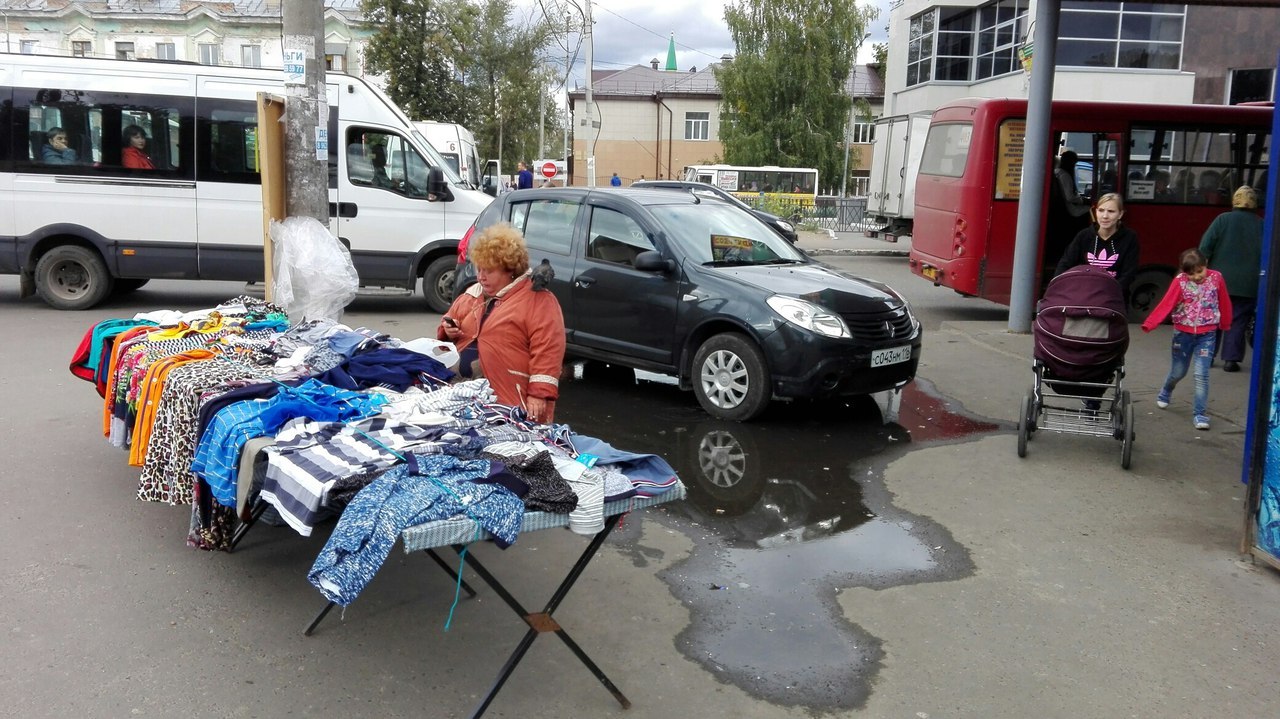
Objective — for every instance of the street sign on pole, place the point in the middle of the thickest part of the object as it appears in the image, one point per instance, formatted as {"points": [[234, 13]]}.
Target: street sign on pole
{"points": [[549, 170]]}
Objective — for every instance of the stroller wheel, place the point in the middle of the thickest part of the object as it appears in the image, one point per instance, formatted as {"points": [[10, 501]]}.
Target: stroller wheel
{"points": [[1126, 447], [1118, 414], [1024, 412]]}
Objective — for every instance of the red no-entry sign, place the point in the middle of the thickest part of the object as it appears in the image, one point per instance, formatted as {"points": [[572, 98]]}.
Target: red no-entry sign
{"points": [[549, 170]]}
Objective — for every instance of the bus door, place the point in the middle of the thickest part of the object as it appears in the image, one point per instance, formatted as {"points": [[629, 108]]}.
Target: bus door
{"points": [[228, 188]]}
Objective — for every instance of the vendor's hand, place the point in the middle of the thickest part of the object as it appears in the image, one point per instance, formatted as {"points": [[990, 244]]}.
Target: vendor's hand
{"points": [[540, 410], [450, 330]]}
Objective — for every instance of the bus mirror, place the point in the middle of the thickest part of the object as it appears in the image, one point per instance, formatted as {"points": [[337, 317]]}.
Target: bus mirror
{"points": [[438, 189]]}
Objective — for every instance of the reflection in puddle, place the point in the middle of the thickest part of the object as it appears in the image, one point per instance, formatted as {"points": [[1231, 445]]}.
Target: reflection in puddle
{"points": [[780, 524]]}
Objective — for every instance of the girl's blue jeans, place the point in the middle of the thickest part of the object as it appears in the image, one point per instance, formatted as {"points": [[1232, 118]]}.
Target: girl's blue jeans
{"points": [[1191, 350]]}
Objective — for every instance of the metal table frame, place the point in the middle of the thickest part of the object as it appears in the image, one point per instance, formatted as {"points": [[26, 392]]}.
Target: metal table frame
{"points": [[455, 532]]}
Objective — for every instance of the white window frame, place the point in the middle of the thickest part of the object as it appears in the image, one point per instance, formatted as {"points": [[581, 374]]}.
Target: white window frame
{"points": [[697, 125], [125, 50], [251, 55], [210, 53], [1119, 43], [82, 48], [166, 51], [862, 133], [335, 62], [28, 47]]}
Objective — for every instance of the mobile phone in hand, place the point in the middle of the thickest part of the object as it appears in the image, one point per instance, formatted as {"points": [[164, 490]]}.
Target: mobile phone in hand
{"points": [[450, 321]]}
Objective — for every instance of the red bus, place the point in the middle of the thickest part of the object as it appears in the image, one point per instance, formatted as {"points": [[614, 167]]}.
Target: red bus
{"points": [[1175, 166]]}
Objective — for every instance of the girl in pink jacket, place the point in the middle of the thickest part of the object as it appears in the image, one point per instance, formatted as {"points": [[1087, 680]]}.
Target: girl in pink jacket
{"points": [[1198, 302]]}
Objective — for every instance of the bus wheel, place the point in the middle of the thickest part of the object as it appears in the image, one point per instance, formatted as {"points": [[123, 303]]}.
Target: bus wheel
{"points": [[1145, 293], [437, 283], [70, 277]]}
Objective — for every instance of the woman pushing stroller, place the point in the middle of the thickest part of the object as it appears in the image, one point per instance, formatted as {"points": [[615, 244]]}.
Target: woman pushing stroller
{"points": [[1199, 304]]}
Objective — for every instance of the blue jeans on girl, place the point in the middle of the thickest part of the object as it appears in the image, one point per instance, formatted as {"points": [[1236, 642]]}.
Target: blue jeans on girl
{"points": [[1189, 349]]}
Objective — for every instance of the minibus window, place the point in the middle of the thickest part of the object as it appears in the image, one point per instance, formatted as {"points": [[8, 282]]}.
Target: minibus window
{"points": [[946, 150]]}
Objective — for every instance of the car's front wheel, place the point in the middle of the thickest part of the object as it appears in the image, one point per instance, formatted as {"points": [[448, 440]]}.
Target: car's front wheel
{"points": [[730, 377]]}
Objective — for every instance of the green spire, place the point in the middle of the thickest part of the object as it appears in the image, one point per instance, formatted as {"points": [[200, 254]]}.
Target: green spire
{"points": [[671, 54]]}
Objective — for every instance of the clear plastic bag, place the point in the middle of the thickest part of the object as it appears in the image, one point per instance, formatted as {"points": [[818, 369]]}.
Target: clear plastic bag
{"points": [[313, 274]]}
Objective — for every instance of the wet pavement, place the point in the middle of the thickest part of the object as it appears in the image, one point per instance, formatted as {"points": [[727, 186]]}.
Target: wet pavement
{"points": [[782, 511]]}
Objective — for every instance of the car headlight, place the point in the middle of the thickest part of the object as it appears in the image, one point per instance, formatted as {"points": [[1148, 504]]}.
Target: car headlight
{"points": [[786, 226], [814, 318]]}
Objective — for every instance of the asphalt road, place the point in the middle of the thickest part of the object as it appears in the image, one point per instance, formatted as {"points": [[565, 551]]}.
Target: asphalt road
{"points": [[954, 580]]}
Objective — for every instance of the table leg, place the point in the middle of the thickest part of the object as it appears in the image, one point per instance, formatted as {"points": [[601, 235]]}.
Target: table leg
{"points": [[541, 622]]}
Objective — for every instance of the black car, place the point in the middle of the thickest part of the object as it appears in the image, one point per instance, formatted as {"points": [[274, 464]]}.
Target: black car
{"points": [[693, 287], [779, 225]]}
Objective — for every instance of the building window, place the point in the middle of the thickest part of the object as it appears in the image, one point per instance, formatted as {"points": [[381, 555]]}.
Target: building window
{"points": [[966, 44], [863, 132], [28, 47], [920, 47], [1120, 35], [124, 51], [1250, 86], [251, 56], [1001, 29], [210, 54], [81, 48], [335, 63], [697, 125], [166, 51]]}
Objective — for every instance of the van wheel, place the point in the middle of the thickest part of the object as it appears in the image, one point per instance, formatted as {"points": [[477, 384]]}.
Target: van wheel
{"points": [[70, 277], [437, 283], [125, 286], [730, 379]]}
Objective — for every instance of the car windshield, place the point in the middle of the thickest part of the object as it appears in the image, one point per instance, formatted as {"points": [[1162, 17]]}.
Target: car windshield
{"points": [[718, 234]]}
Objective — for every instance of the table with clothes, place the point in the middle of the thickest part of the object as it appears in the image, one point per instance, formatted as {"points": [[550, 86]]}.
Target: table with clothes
{"points": [[233, 411]]}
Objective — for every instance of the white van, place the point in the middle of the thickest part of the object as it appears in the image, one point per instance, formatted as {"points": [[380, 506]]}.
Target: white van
{"points": [[96, 217]]}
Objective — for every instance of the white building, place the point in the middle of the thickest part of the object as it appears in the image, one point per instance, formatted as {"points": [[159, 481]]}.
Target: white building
{"points": [[234, 32]]}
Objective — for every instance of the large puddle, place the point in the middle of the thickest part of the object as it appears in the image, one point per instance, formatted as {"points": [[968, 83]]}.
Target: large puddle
{"points": [[781, 514]]}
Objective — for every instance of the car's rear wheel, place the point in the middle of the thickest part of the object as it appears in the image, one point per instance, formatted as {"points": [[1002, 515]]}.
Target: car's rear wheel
{"points": [[731, 380], [437, 283], [71, 277]]}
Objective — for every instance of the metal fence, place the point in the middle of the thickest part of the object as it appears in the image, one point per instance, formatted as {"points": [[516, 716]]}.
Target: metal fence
{"points": [[829, 212]]}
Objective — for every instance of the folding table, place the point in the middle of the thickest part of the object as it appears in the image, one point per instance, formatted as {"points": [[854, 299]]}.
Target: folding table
{"points": [[457, 532]]}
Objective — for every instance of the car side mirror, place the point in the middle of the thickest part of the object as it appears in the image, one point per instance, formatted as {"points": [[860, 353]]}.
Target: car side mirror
{"points": [[653, 261], [438, 189]]}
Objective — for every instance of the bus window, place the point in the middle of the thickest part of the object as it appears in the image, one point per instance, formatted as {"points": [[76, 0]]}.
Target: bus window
{"points": [[946, 150]]}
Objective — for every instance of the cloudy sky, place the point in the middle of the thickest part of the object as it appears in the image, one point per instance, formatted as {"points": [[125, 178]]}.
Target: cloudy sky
{"points": [[631, 32]]}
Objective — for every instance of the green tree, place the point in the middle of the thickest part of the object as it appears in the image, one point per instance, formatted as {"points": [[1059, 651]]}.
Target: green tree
{"points": [[503, 79], [420, 50], [784, 99]]}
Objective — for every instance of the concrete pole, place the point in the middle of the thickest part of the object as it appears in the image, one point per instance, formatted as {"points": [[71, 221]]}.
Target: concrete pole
{"points": [[306, 115], [564, 154], [1022, 294], [542, 122], [591, 126]]}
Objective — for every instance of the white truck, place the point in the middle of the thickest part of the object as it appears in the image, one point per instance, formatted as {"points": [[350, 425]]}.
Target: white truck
{"points": [[895, 162]]}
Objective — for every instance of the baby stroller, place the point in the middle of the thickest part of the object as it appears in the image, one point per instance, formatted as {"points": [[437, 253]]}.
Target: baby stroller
{"points": [[1081, 333]]}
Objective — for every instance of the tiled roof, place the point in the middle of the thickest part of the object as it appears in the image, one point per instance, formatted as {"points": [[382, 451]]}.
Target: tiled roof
{"points": [[643, 80]]}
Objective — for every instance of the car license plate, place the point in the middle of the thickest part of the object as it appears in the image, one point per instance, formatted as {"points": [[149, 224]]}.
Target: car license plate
{"points": [[893, 355], [929, 273]]}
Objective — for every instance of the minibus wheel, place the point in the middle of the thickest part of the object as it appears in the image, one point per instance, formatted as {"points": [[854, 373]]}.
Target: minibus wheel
{"points": [[437, 283], [70, 277]]}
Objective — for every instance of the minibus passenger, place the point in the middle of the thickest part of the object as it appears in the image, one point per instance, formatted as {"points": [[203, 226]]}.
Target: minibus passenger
{"points": [[55, 151], [134, 155]]}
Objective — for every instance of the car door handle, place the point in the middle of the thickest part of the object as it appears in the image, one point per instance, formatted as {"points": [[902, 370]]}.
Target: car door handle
{"points": [[342, 209], [584, 281]]}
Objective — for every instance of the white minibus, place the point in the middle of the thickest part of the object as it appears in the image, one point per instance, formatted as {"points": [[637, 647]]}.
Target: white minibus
{"points": [[114, 172]]}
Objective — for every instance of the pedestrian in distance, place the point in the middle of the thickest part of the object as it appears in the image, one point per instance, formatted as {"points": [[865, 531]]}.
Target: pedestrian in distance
{"points": [[508, 328], [134, 155], [524, 178], [615, 181], [1198, 302], [55, 150], [1107, 243], [1233, 247]]}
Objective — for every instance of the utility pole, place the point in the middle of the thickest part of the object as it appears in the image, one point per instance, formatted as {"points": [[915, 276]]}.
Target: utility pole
{"points": [[306, 117], [542, 123], [590, 122], [568, 23]]}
